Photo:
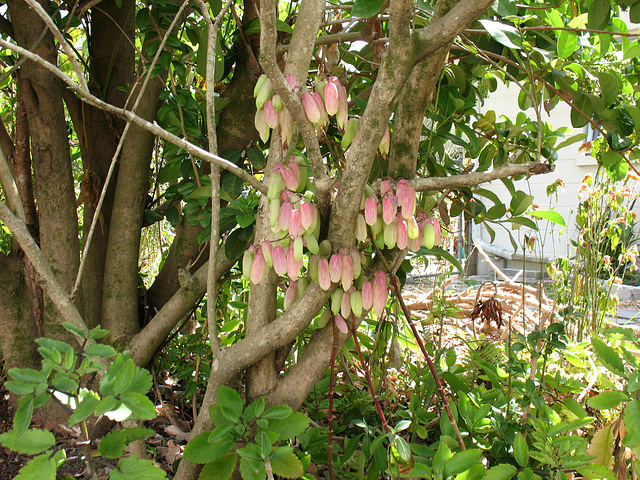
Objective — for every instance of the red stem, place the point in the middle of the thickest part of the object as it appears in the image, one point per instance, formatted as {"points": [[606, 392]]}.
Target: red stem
{"points": [[367, 376]]}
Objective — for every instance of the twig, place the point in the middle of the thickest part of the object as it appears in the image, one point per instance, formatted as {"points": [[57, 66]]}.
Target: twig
{"points": [[445, 403], [491, 264], [330, 414]]}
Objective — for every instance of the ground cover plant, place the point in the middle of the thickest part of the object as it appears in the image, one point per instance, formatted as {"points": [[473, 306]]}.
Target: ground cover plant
{"points": [[230, 190]]}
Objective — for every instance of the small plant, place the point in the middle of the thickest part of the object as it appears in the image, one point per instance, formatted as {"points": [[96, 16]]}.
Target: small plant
{"points": [[263, 434], [121, 395]]}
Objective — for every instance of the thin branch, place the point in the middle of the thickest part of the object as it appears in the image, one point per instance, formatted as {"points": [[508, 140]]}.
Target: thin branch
{"points": [[476, 178], [61, 40], [214, 240], [129, 116], [10, 188], [114, 160], [544, 28]]}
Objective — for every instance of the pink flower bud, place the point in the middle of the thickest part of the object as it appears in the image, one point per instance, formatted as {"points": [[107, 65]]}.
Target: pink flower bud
{"points": [[380, 294], [345, 307], [266, 248], [408, 203], [389, 209], [288, 133], [361, 228], [285, 213], [335, 268], [385, 143], [413, 230], [257, 269], [357, 263], [306, 214], [402, 239], [370, 210], [438, 230], [296, 172], [341, 324], [297, 249], [270, 114], [261, 125], [293, 265], [391, 234], [324, 118], [331, 100], [343, 108], [415, 244], [291, 295], [277, 102], [291, 80], [385, 187], [279, 260], [401, 187], [367, 295], [247, 263], [324, 279], [347, 271], [311, 109], [295, 225], [290, 179]]}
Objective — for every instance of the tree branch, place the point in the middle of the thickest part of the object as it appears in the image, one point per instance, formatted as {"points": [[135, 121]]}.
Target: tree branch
{"points": [[131, 117]]}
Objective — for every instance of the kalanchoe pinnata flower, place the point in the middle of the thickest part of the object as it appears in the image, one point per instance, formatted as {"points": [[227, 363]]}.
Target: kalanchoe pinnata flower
{"points": [[438, 230], [289, 177], [335, 267], [429, 235], [285, 213], [291, 81], [312, 267], [303, 284], [293, 265], [276, 185], [325, 247], [413, 230], [401, 187], [367, 295], [294, 167], [380, 293], [257, 269], [324, 279], [266, 251], [385, 143], [288, 133], [277, 102], [370, 210], [279, 260], [389, 208], [385, 187], [336, 300], [345, 306], [247, 262], [391, 234], [349, 133], [311, 109], [274, 213], [306, 214], [258, 85], [408, 203], [357, 263], [298, 252], [270, 114], [324, 118], [355, 297], [343, 108], [347, 271], [331, 98], [341, 324], [295, 225], [361, 228], [291, 295], [311, 242], [265, 93], [402, 238], [261, 125]]}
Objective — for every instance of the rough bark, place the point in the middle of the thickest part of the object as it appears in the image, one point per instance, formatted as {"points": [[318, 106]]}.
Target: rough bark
{"points": [[50, 153]]}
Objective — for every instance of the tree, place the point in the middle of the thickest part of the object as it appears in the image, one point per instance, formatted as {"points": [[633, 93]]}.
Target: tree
{"points": [[105, 92]]}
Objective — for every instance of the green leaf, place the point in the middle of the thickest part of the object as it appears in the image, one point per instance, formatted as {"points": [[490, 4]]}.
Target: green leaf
{"points": [[27, 375], [567, 43], [607, 356], [100, 350], [139, 405], [237, 242], [220, 433], [517, 222], [520, 202], [113, 443], [291, 426], [220, 469], [607, 400], [142, 18], [42, 467], [124, 376], [23, 415], [550, 215], [601, 447], [229, 398], [599, 12], [142, 381], [507, 35], [18, 388], [287, 467], [632, 424], [278, 412], [84, 410], [64, 383], [462, 461], [200, 192], [132, 468], [199, 450], [253, 410], [500, 472], [252, 470], [521, 450], [366, 8], [33, 442], [403, 448], [609, 86], [73, 329]]}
